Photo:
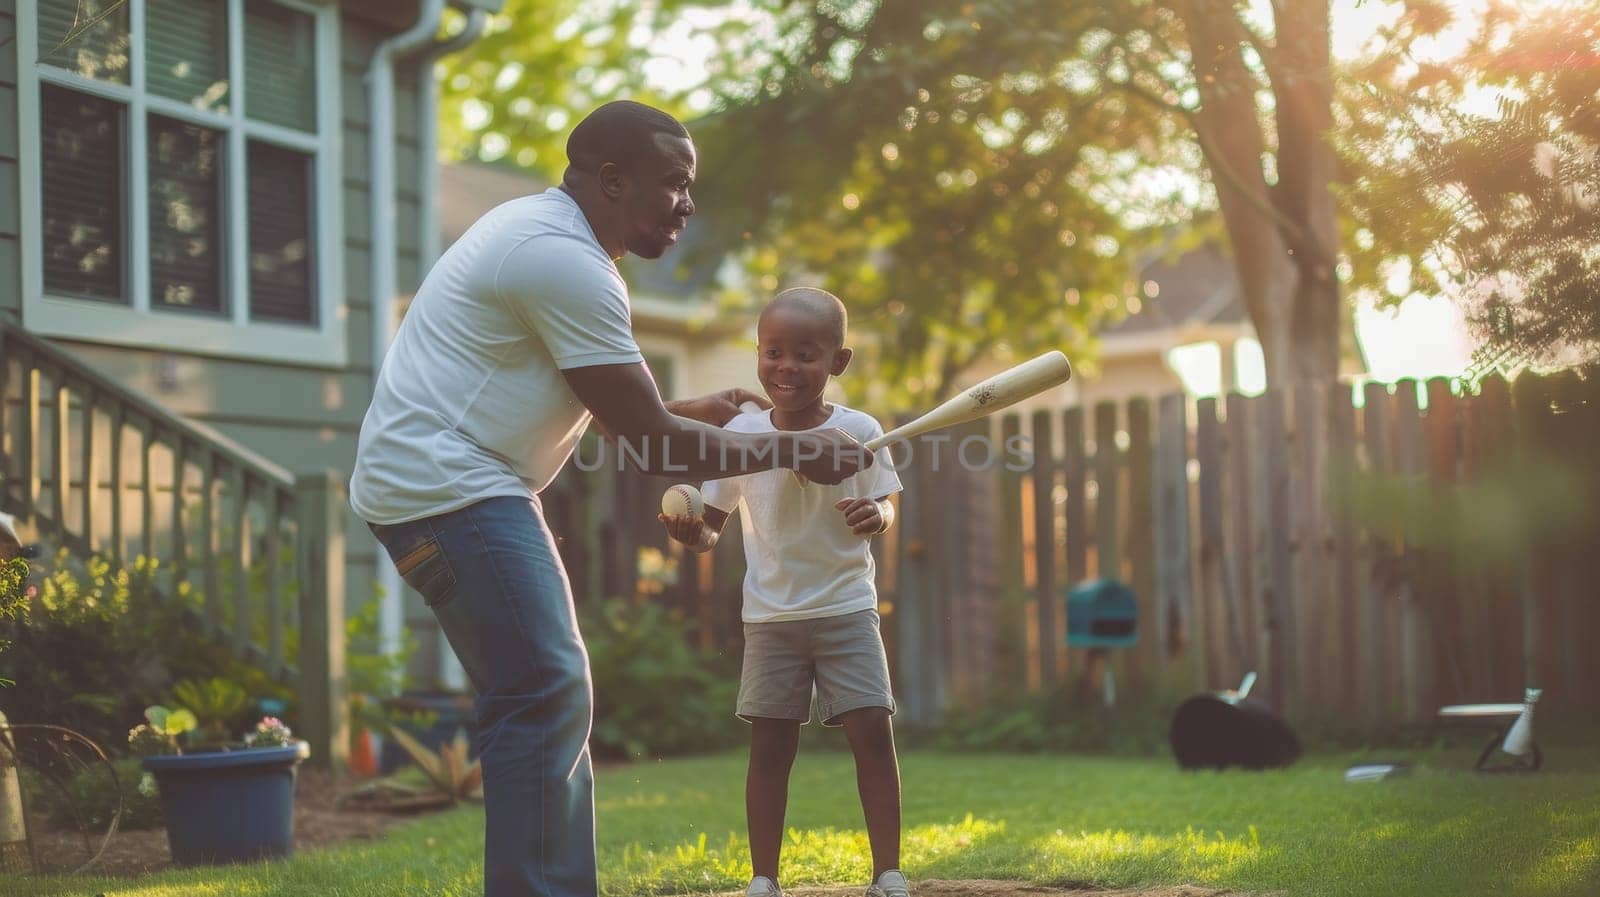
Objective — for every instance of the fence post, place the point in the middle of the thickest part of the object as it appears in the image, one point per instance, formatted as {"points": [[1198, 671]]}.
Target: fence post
{"points": [[1169, 508], [320, 501]]}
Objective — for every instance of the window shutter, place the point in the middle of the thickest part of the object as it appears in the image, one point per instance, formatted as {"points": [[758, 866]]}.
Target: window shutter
{"points": [[186, 44], [89, 37], [280, 65], [186, 245], [282, 286], [82, 188]]}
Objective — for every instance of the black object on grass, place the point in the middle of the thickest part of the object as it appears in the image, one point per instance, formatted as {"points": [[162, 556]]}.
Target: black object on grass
{"points": [[1217, 731]]}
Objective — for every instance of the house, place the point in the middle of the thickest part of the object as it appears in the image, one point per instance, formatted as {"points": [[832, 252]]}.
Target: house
{"points": [[1186, 331], [198, 280]]}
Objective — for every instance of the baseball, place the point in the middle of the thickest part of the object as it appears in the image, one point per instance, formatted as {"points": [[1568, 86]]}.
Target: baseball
{"points": [[682, 500]]}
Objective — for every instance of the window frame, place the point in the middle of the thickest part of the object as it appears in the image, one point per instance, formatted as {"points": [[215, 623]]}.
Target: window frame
{"points": [[134, 322]]}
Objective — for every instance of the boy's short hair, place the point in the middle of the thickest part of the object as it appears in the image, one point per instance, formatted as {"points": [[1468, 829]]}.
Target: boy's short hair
{"points": [[818, 302]]}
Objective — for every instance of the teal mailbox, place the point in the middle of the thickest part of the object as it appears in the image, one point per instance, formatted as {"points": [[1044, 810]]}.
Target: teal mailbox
{"points": [[1101, 613]]}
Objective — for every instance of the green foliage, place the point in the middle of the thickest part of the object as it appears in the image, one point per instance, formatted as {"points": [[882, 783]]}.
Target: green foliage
{"points": [[453, 777], [654, 694], [975, 178], [90, 798], [1488, 525], [95, 649], [268, 733], [965, 190], [1060, 721], [372, 673], [949, 183], [218, 705], [1500, 210], [101, 643], [511, 97], [13, 598], [161, 732]]}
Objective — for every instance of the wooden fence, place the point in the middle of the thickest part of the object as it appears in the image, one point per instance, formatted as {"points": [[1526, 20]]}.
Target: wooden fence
{"points": [[255, 553], [1372, 556]]}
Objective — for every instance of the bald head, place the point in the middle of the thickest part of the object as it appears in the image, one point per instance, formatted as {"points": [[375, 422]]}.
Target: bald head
{"points": [[820, 306], [623, 132]]}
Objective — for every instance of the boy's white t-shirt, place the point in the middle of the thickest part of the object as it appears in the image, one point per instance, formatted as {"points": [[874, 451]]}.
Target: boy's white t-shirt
{"points": [[470, 403], [802, 562]]}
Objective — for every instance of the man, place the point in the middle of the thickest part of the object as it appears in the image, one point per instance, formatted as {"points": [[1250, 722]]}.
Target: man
{"points": [[517, 336]]}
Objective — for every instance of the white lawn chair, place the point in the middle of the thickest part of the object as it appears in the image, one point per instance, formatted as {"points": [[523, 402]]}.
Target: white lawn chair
{"points": [[1513, 732]]}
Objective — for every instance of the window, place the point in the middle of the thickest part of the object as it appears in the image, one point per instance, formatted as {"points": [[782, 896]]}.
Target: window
{"points": [[181, 185]]}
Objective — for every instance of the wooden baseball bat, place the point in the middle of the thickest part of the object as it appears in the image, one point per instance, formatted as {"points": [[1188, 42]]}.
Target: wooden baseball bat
{"points": [[1003, 390]]}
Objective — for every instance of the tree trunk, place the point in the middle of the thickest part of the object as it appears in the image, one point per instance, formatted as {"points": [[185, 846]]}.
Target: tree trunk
{"points": [[1302, 85], [1285, 235]]}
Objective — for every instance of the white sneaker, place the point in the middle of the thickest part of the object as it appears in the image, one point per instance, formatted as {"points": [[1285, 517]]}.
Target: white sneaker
{"points": [[762, 886], [890, 884]]}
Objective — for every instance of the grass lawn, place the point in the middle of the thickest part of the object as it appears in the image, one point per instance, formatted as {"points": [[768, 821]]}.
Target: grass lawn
{"points": [[677, 827]]}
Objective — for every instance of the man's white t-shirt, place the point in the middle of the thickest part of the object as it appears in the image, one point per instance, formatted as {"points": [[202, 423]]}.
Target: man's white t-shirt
{"points": [[801, 560], [470, 403]]}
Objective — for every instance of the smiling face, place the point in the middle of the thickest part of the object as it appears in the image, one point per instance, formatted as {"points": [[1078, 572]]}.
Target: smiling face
{"points": [[799, 350], [654, 197]]}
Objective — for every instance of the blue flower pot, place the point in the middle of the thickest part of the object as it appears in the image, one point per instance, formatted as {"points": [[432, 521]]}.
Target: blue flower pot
{"points": [[229, 806]]}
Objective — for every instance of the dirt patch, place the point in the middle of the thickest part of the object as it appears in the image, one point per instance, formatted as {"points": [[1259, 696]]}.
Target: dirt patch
{"points": [[982, 888], [318, 824]]}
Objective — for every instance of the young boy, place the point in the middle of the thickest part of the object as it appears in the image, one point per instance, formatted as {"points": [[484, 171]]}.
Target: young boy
{"points": [[810, 604]]}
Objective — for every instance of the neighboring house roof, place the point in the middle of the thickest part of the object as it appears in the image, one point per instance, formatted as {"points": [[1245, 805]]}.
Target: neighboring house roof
{"points": [[1198, 288], [1196, 298], [469, 189]]}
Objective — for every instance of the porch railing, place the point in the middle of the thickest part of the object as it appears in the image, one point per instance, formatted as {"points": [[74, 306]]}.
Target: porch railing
{"points": [[254, 553]]}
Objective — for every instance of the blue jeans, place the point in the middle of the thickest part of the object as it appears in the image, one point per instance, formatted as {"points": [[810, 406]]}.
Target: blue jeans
{"points": [[492, 576]]}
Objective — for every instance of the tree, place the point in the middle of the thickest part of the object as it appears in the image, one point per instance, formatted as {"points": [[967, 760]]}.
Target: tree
{"points": [[1025, 242], [985, 176], [1499, 209], [1037, 107], [514, 94]]}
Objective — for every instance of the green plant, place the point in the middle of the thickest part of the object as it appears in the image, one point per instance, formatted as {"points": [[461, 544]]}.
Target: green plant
{"points": [[161, 732], [270, 732], [13, 598], [1065, 719], [654, 694], [374, 674], [217, 703], [452, 774], [442, 777], [102, 641], [89, 798], [95, 647]]}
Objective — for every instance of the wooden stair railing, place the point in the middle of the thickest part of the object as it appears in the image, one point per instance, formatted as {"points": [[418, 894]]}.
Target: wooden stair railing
{"points": [[253, 551]]}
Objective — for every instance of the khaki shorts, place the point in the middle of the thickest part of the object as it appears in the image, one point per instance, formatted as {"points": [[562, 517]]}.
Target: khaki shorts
{"points": [[841, 658]]}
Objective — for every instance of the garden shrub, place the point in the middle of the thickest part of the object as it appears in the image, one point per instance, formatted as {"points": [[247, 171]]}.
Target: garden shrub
{"points": [[94, 648], [1059, 720], [90, 797], [654, 694], [100, 643]]}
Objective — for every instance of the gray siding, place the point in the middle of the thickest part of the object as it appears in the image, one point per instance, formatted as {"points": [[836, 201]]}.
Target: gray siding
{"points": [[359, 40], [10, 199]]}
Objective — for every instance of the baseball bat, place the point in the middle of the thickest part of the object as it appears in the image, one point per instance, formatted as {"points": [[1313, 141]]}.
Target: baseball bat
{"points": [[1003, 390]]}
